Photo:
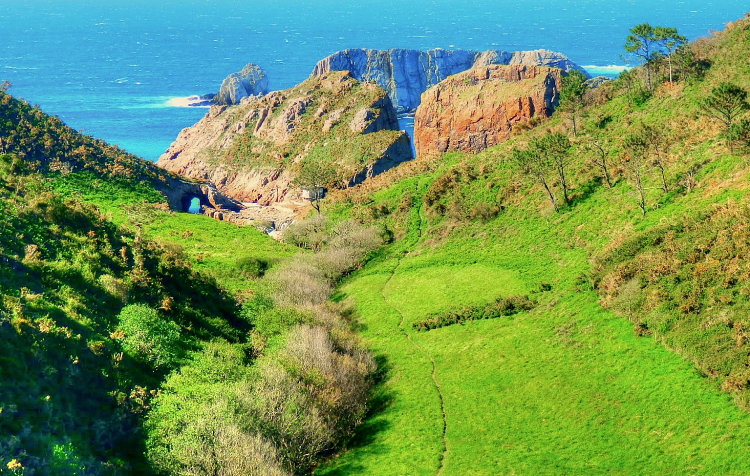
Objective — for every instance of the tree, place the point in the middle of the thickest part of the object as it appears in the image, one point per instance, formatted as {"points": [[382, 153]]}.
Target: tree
{"points": [[595, 144], [543, 157], [313, 176], [572, 96], [538, 167], [739, 134], [689, 64], [670, 40], [636, 150], [555, 147], [726, 102], [643, 43], [656, 139]]}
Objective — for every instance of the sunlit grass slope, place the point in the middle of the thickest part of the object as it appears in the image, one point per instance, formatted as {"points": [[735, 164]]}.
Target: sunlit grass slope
{"points": [[633, 360], [564, 389]]}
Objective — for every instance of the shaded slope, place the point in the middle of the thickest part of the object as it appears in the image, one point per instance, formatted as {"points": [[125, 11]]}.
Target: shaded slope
{"points": [[72, 393]]}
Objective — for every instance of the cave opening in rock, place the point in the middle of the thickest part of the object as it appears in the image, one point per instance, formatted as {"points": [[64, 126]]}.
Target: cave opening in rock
{"points": [[194, 206]]}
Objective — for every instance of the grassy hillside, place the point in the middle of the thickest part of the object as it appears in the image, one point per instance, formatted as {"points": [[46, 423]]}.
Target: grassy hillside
{"points": [[633, 360], [75, 291], [609, 336], [141, 341]]}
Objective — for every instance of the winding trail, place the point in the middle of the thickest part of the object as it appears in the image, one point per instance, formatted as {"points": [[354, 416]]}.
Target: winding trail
{"points": [[402, 330]]}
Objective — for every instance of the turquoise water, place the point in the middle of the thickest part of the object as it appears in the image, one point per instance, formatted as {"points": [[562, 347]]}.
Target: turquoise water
{"points": [[110, 68]]}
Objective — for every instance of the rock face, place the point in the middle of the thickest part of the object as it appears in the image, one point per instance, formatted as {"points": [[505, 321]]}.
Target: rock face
{"points": [[251, 81], [406, 74], [253, 152], [594, 83], [180, 193], [478, 108]]}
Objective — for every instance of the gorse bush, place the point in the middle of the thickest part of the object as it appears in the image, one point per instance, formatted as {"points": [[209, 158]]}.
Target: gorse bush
{"points": [[252, 267], [150, 337]]}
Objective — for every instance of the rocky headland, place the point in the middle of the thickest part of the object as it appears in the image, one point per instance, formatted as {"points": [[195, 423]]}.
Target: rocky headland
{"points": [[254, 151], [479, 108], [406, 74]]}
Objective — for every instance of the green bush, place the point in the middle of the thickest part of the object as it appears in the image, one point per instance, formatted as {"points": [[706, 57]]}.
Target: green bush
{"points": [[150, 337], [252, 267], [501, 307]]}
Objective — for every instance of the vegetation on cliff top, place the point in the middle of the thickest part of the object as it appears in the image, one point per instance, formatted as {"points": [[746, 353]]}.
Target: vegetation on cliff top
{"points": [[320, 121]]}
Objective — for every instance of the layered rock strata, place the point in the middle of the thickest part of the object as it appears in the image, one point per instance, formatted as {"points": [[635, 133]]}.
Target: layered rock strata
{"points": [[254, 151], [479, 108], [406, 74]]}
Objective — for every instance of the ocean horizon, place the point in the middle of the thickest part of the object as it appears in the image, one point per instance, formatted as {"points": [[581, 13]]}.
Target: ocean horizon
{"points": [[120, 70]]}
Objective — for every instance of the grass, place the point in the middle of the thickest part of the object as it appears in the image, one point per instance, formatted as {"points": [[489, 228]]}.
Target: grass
{"points": [[568, 387], [219, 248], [564, 389], [215, 247]]}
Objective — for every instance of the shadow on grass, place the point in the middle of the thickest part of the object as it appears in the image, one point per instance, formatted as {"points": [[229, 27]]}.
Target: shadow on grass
{"points": [[365, 435], [584, 191]]}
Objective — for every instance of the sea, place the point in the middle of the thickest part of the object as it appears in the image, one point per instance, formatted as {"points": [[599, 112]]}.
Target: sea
{"points": [[118, 69]]}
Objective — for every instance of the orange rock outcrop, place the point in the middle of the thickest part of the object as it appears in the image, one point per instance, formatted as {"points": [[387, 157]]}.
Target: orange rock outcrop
{"points": [[479, 108]]}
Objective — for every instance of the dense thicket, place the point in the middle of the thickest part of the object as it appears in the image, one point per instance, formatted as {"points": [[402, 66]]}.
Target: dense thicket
{"points": [[73, 389], [294, 394]]}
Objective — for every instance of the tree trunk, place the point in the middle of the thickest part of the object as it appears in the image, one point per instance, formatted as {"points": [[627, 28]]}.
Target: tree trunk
{"points": [[669, 60], [549, 192], [563, 184], [663, 178]]}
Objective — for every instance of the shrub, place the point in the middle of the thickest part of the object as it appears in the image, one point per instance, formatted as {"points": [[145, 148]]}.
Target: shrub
{"points": [[300, 283], [501, 307], [307, 280], [309, 234], [208, 441], [283, 409], [484, 211], [149, 337], [115, 287], [251, 266], [338, 380]]}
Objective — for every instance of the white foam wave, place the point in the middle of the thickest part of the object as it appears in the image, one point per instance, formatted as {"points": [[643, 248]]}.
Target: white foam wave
{"points": [[608, 70], [190, 101]]}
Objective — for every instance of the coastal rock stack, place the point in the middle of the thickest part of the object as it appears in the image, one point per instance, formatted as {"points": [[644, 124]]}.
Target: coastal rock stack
{"points": [[251, 81], [254, 151], [479, 108]]}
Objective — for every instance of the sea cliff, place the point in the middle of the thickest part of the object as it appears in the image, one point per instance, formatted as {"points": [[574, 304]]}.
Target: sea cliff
{"points": [[406, 74], [254, 151]]}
